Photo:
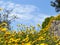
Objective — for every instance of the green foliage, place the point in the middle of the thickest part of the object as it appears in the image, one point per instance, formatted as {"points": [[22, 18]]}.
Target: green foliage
{"points": [[58, 17], [46, 21], [56, 4]]}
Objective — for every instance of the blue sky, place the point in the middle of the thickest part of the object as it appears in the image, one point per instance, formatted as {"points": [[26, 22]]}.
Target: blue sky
{"points": [[29, 11], [43, 5]]}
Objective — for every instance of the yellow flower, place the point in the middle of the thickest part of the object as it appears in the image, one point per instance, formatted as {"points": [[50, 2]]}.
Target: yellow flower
{"points": [[17, 40], [12, 35], [28, 43], [57, 44], [43, 44], [16, 44], [26, 39], [41, 38], [4, 29], [9, 42], [22, 44], [55, 38], [7, 33], [12, 40]]}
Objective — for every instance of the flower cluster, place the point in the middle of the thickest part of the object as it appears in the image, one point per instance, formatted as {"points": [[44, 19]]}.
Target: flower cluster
{"points": [[28, 36]]}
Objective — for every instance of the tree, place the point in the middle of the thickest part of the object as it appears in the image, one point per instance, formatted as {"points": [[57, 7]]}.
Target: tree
{"points": [[46, 21], [56, 4], [4, 18]]}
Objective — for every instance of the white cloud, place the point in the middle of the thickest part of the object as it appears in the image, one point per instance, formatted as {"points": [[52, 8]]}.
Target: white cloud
{"points": [[24, 12], [39, 18]]}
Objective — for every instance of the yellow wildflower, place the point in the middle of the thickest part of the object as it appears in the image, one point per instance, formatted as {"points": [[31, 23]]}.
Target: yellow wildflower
{"points": [[4, 29], [17, 40], [7, 33], [41, 38], [43, 44], [12, 40], [28, 43]]}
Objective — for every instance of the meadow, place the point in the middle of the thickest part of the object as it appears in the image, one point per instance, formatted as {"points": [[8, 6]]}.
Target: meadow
{"points": [[28, 35]]}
